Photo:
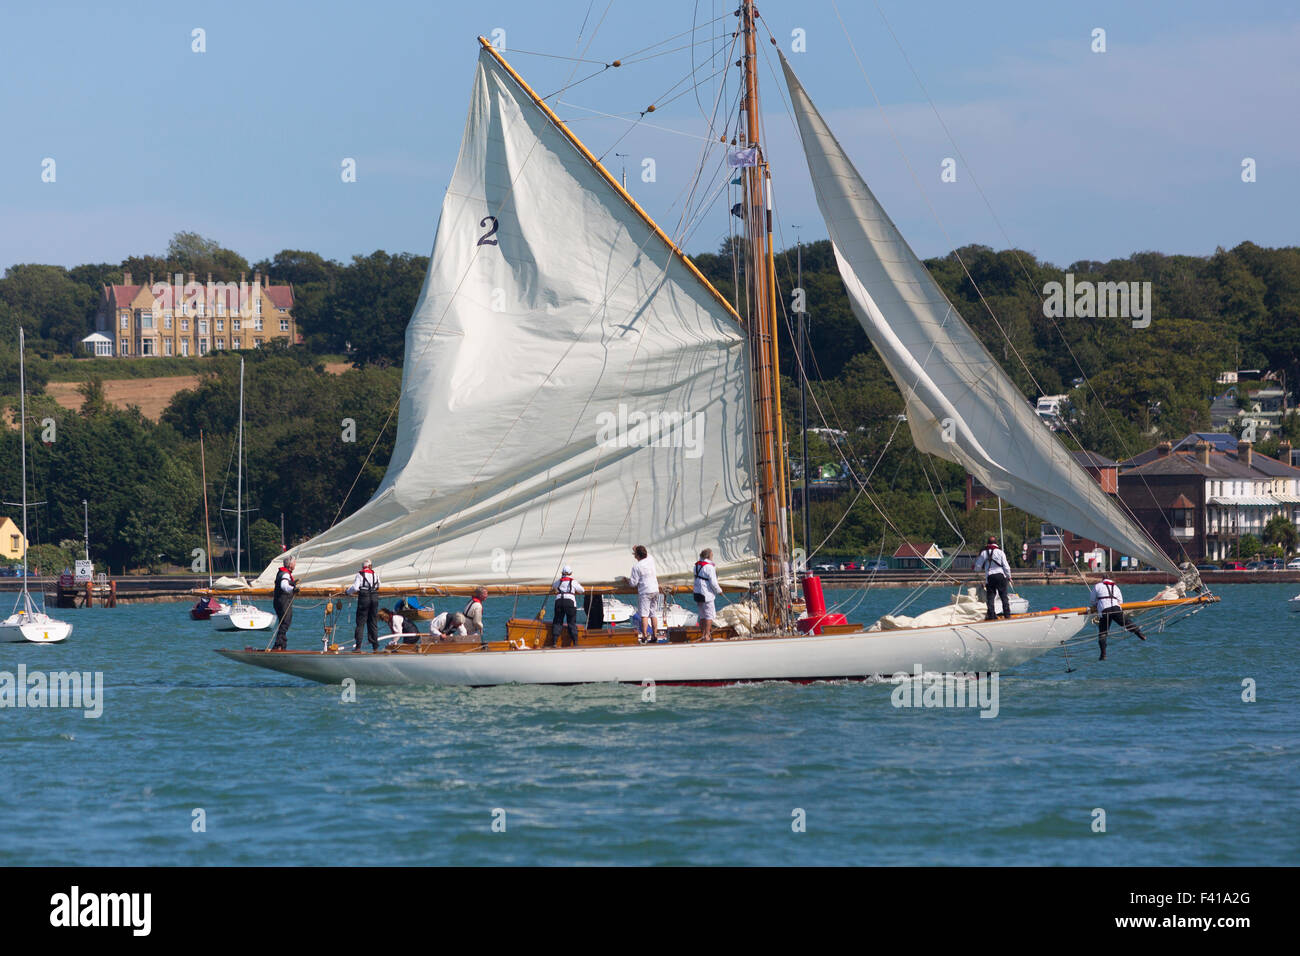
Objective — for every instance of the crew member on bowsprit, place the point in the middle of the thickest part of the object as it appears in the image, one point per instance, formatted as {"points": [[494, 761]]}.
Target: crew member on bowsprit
{"points": [[993, 562], [1108, 600], [566, 609], [366, 587], [286, 586]]}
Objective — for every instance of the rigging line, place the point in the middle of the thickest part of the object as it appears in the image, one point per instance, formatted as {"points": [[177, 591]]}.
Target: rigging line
{"points": [[1020, 262], [687, 46], [677, 36], [961, 261], [570, 85], [658, 104], [556, 56], [591, 39], [629, 119]]}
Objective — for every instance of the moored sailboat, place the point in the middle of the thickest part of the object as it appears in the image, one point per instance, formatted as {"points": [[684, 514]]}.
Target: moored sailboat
{"points": [[556, 310], [28, 622]]}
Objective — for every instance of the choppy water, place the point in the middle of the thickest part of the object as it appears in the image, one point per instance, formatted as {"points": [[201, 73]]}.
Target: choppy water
{"points": [[286, 773]]}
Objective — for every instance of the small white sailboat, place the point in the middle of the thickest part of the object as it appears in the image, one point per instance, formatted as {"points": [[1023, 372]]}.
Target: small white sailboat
{"points": [[238, 616], [28, 622], [1295, 603], [556, 311]]}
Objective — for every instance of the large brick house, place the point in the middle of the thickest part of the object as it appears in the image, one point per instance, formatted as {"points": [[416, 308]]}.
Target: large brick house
{"points": [[1198, 502], [183, 317]]}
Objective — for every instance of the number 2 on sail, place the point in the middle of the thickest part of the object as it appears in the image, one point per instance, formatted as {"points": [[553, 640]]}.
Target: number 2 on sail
{"points": [[486, 239]]}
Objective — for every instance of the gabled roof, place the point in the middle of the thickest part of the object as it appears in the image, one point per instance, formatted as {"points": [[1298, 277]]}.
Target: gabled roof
{"points": [[1182, 501], [1269, 466], [910, 550], [1220, 466], [1219, 441], [281, 296], [123, 295], [97, 337]]}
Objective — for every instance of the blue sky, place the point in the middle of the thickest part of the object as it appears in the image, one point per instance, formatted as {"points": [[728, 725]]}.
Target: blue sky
{"points": [[1081, 155]]}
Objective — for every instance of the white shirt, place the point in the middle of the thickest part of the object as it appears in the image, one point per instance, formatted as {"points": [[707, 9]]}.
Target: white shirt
{"points": [[572, 587], [286, 583], [993, 562], [643, 576], [398, 624], [439, 623], [706, 580], [361, 577], [1107, 596]]}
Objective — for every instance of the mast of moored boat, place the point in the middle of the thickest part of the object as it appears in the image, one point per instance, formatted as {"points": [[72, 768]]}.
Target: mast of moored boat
{"points": [[207, 524], [239, 482], [22, 418], [768, 451]]}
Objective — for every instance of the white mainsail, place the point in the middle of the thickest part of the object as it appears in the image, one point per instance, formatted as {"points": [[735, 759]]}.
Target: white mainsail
{"points": [[570, 389], [960, 404]]}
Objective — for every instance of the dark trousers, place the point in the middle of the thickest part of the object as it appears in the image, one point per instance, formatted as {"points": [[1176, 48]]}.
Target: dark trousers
{"points": [[996, 586], [1121, 619], [367, 618], [564, 611], [284, 611]]}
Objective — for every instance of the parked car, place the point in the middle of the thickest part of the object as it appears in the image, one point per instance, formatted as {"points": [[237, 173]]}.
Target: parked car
{"points": [[826, 567], [874, 564], [1257, 566], [1207, 567], [1293, 564], [1233, 566], [1272, 564]]}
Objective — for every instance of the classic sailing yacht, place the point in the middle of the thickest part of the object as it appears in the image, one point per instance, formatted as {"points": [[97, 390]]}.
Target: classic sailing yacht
{"points": [[600, 393], [27, 622]]}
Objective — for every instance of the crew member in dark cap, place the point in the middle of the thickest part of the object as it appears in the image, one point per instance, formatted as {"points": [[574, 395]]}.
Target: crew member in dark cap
{"points": [[993, 562]]}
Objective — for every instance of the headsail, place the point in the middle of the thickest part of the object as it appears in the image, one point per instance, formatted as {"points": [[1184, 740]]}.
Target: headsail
{"points": [[960, 404], [570, 387]]}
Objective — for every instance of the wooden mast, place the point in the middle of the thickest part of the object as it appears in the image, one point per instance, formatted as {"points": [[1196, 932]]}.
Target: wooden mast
{"points": [[768, 452]]}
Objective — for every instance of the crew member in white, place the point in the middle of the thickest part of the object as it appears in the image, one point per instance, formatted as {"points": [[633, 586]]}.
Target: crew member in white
{"points": [[706, 590], [448, 627], [366, 587], [993, 562], [646, 582], [566, 590], [1108, 602]]}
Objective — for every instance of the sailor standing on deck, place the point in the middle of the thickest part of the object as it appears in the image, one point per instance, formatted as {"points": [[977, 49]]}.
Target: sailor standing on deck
{"points": [[646, 581], [286, 586], [1108, 601], [993, 562], [706, 591], [473, 614], [366, 587], [566, 608]]}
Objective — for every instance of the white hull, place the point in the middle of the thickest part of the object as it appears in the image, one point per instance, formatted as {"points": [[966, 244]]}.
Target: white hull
{"points": [[1295, 603], [244, 617], [33, 628], [982, 647]]}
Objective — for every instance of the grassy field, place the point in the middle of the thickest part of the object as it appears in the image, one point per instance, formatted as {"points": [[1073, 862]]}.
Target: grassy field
{"points": [[111, 369]]}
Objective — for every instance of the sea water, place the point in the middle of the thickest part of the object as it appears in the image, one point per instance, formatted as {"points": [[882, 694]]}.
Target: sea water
{"points": [[1181, 750]]}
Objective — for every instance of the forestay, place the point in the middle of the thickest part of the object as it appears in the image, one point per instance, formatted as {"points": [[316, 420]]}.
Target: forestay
{"points": [[960, 404], [570, 389]]}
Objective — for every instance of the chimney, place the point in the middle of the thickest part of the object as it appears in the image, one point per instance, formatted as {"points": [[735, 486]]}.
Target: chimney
{"points": [[1203, 452], [1245, 453], [257, 278], [1284, 451], [1163, 449], [126, 278]]}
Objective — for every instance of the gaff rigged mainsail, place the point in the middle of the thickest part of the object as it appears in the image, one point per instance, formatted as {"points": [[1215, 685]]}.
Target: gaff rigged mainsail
{"points": [[571, 388], [960, 404]]}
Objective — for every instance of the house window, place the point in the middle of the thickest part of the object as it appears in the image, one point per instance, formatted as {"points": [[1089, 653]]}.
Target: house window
{"points": [[221, 325], [235, 325], [221, 306], [221, 345], [203, 346], [125, 322], [146, 319], [284, 325], [185, 325], [235, 342], [257, 306], [257, 343], [13, 542], [146, 347], [185, 347], [257, 325], [203, 326], [167, 346], [124, 348], [201, 307]]}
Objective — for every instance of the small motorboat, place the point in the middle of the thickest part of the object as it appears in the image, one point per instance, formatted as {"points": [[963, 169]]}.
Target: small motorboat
{"points": [[207, 608]]}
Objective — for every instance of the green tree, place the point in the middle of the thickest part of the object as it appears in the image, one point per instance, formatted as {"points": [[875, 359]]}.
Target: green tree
{"points": [[1281, 532], [1248, 546], [263, 542]]}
